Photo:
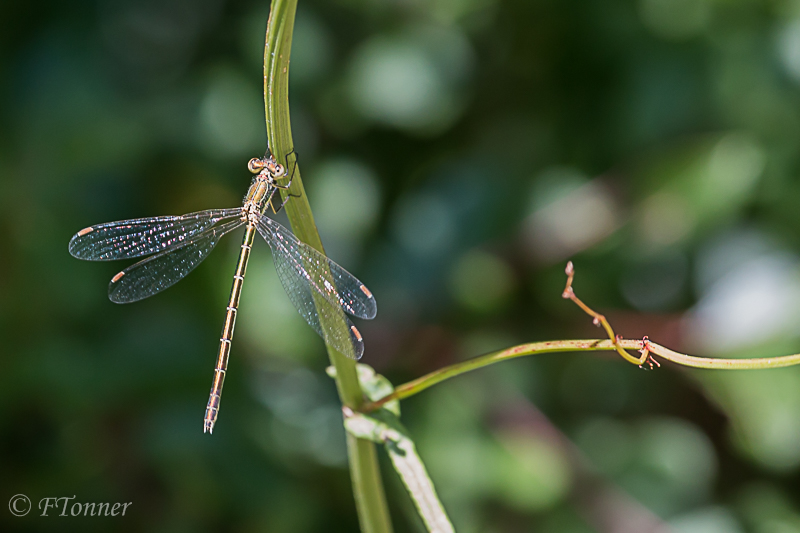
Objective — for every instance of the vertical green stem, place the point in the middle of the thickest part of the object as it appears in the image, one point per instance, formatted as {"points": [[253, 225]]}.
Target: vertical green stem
{"points": [[373, 513]]}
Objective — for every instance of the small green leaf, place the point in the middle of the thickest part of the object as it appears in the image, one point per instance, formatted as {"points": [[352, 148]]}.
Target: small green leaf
{"points": [[412, 471], [383, 427], [374, 385]]}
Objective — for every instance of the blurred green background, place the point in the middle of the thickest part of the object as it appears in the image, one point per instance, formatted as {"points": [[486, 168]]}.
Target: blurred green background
{"points": [[456, 154]]}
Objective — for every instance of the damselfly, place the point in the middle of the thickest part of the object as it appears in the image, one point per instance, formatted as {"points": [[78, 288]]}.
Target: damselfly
{"points": [[321, 290]]}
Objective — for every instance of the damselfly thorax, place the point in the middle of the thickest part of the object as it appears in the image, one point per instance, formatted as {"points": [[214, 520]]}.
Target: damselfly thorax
{"points": [[259, 196]]}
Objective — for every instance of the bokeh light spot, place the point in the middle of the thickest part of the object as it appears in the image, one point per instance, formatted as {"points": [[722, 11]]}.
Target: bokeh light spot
{"points": [[788, 42], [665, 219], [607, 443], [735, 165], [755, 302], [534, 474], [481, 281], [675, 20], [230, 124], [410, 81], [706, 520], [396, 83], [576, 218], [346, 200]]}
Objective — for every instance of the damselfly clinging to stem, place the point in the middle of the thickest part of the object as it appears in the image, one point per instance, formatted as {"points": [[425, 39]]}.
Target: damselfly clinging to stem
{"points": [[321, 290]]}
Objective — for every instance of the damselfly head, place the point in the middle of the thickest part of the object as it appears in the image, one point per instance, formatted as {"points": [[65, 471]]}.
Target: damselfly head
{"points": [[256, 165], [274, 168]]}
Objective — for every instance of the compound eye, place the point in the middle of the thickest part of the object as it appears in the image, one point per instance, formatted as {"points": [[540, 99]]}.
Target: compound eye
{"points": [[255, 165], [279, 170]]}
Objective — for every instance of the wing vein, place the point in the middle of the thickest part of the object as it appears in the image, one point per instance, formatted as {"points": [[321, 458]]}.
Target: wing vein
{"points": [[303, 272], [158, 272], [126, 239]]}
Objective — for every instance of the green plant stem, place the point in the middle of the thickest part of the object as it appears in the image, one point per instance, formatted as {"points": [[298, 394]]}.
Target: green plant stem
{"points": [[367, 485], [373, 514], [591, 345], [645, 347]]}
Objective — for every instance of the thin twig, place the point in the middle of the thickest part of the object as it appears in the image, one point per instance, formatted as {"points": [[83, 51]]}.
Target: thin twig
{"points": [[600, 320], [614, 343]]}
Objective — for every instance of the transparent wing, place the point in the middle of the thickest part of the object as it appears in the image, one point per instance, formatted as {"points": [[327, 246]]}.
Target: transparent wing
{"points": [[346, 291], [300, 269], [127, 239], [347, 342], [161, 271]]}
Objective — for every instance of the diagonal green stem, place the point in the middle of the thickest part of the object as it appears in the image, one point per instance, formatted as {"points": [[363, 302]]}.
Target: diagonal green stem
{"points": [[420, 384], [367, 486]]}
